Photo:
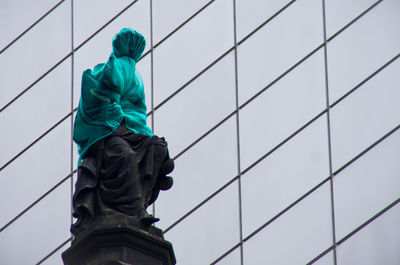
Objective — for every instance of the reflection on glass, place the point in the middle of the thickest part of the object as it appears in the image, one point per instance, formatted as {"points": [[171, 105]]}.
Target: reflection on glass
{"points": [[296, 237], [367, 186], [199, 172], [192, 48], [39, 231], [209, 232], [377, 243], [278, 46]]}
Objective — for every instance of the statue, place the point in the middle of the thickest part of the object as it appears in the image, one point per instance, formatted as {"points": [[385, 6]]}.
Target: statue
{"points": [[122, 166]]}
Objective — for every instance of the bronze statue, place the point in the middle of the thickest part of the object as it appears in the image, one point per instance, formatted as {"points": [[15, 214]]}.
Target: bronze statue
{"points": [[122, 165]]}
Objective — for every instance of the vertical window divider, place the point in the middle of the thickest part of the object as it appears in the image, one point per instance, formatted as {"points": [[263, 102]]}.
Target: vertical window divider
{"points": [[328, 123], [72, 109], [239, 170]]}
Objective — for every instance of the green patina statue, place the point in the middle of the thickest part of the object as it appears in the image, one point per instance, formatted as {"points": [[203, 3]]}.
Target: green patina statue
{"points": [[122, 165]]}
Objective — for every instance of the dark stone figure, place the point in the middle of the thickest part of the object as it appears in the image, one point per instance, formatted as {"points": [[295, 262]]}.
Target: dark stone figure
{"points": [[121, 173]]}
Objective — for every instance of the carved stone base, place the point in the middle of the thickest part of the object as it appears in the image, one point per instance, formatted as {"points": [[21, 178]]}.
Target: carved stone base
{"points": [[119, 240]]}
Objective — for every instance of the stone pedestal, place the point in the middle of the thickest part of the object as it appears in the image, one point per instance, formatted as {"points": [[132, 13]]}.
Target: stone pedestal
{"points": [[119, 240]]}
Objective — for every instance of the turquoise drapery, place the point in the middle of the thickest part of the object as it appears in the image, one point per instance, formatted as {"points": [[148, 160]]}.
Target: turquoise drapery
{"points": [[112, 92]]}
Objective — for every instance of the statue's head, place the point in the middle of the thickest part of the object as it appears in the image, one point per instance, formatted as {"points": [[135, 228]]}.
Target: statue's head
{"points": [[128, 42]]}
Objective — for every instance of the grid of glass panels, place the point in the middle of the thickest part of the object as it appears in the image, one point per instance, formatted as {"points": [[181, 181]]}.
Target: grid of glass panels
{"points": [[282, 118]]}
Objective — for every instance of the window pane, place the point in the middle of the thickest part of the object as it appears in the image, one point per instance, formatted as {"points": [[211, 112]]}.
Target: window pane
{"points": [[282, 109], [34, 54], [166, 18], [90, 15], [39, 231], [35, 172], [363, 48], [367, 186], [278, 46], [12, 14], [326, 260], [199, 107], [296, 237], [192, 48], [377, 243], [232, 259], [56, 258], [35, 112], [285, 175], [366, 115], [209, 232], [341, 12], [251, 13], [199, 172]]}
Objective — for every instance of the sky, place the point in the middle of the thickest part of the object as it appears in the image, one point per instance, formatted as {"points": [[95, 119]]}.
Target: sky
{"points": [[241, 98]]}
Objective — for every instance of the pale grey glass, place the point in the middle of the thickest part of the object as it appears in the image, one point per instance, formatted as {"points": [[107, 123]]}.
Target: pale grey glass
{"points": [[199, 172], [341, 12], [278, 46], [252, 13], [34, 173], [17, 21], [34, 54], [377, 243], [367, 186], [282, 109], [199, 107], [362, 48], [284, 176], [36, 111], [297, 236], [365, 116], [91, 15], [326, 260], [209, 232], [98, 49], [39, 231], [167, 15], [232, 259], [56, 258], [192, 48]]}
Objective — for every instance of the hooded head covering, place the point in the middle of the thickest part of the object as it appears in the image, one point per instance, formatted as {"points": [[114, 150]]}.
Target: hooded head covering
{"points": [[130, 43]]}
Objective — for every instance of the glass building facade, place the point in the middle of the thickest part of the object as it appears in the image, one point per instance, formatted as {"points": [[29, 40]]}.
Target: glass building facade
{"points": [[282, 118]]}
